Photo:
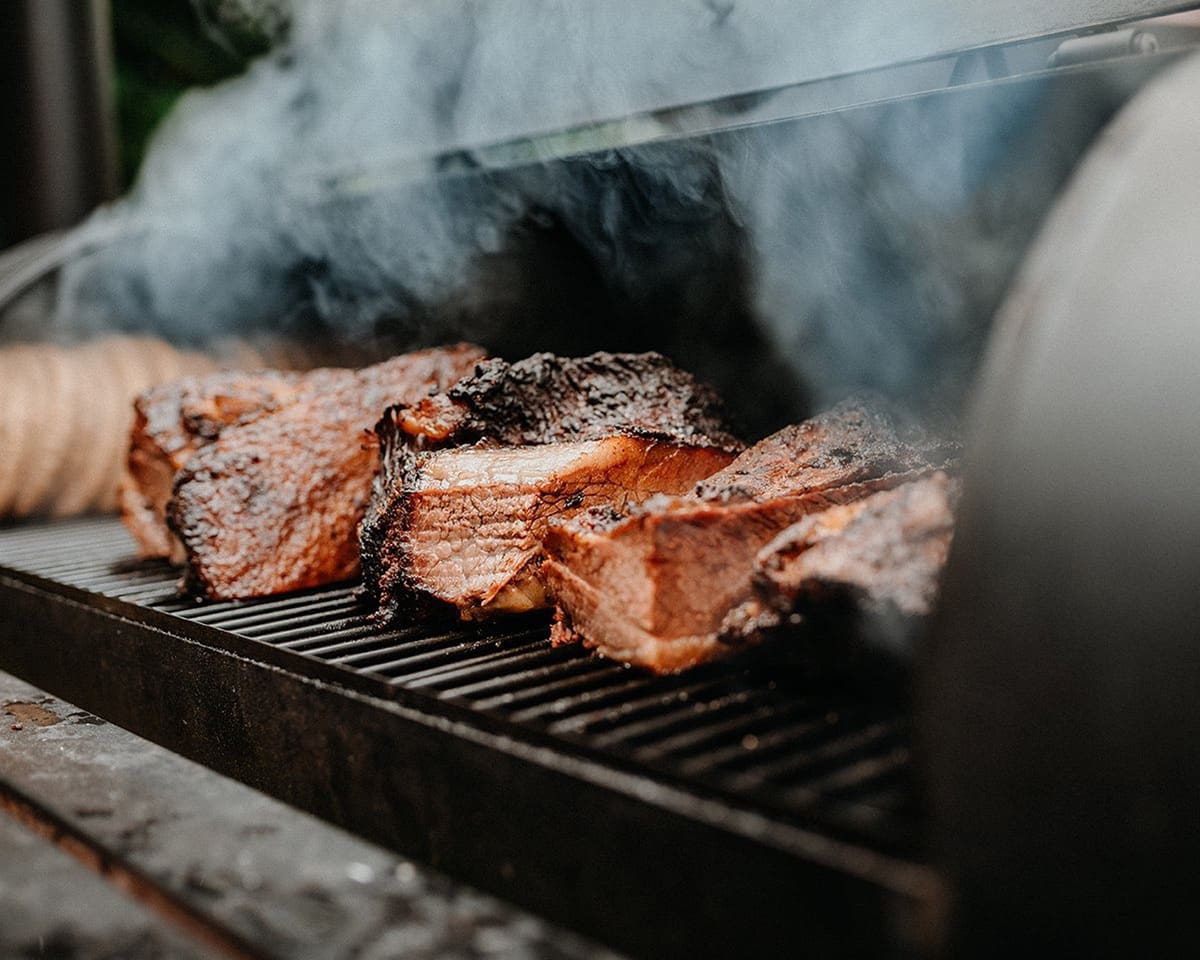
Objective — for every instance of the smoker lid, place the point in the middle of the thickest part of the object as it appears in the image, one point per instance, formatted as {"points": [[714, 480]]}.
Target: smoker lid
{"points": [[631, 58]]}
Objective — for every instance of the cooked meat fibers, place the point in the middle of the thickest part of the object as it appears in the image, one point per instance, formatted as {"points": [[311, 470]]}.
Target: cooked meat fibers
{"points": [[879, 559], [471, 477], [273, 505], [171, 422], [474, 517], [652, 584]]}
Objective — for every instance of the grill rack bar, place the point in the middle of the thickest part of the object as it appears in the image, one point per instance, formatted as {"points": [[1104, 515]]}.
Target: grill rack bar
{"points": [[753, 737], [763, 739]]}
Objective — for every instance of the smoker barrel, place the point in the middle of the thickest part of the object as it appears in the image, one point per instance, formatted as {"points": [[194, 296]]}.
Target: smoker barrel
{"points": [[1059, 719]]}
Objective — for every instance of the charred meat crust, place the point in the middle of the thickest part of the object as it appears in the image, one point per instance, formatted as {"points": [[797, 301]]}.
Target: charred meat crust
{"points": [[550, 399], [859, 439], [171, 422], [879, 559], [194, 409], [274, 505], [385, 577], [543, 399], [672, 568]]}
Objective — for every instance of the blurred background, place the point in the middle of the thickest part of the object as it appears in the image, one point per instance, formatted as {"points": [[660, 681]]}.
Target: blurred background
{"points": [[76, 132], [163, 47]]}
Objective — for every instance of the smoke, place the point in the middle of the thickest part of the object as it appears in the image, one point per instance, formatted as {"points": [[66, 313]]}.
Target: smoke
{"points": [[340, 189], [884, 239]]}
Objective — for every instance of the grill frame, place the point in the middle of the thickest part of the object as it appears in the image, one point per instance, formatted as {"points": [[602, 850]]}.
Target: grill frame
{"points": [[679, 866]]}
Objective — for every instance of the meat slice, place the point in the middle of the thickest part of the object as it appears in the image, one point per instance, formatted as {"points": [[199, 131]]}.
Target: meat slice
{"points": [[172, 421], [471, 477], [879, 558], [475, 518], [273, 503], [652, 584]]}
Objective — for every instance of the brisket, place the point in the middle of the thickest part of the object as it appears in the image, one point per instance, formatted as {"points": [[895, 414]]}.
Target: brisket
{"points": [[472, 477], [878, 559], [652, 584], [273, 502], [171, 422]]}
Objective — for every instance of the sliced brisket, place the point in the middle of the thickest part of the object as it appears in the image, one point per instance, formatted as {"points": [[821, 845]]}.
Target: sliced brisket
{"points": [[471, 477], [878, 559], [653, 584], [273, 503]]}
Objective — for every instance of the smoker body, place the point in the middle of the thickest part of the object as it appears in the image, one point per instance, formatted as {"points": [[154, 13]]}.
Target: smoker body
{"points": [[1059, 711]]}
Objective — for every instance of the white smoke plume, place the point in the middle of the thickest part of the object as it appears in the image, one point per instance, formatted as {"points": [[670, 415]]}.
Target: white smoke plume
{"points": [[339, 189]]}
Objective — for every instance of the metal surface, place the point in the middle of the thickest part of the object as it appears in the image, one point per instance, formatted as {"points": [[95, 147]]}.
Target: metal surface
{"points": [[54, 907], [57, 118], [219, 866], [1059, 698], [1034, 58], [764, 808], [710, 52]]}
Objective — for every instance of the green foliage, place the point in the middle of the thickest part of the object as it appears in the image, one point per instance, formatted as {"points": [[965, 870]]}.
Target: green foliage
{"points": [[163, 47]]}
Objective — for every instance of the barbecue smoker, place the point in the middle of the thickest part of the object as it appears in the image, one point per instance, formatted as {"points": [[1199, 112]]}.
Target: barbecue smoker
{"points": [[1036, 793]]}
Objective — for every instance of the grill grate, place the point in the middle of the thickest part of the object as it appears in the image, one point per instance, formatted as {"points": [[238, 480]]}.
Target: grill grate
{"points": [[752, 734]]}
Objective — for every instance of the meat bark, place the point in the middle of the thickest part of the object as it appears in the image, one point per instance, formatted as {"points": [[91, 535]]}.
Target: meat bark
{"points": [[653, 584], [171, 422], [879, 559], [273, 502], [550, 399], [472, 477]]}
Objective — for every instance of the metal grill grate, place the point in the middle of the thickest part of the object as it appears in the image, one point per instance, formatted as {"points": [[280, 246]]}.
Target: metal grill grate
{"points": [[753, 734]]}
